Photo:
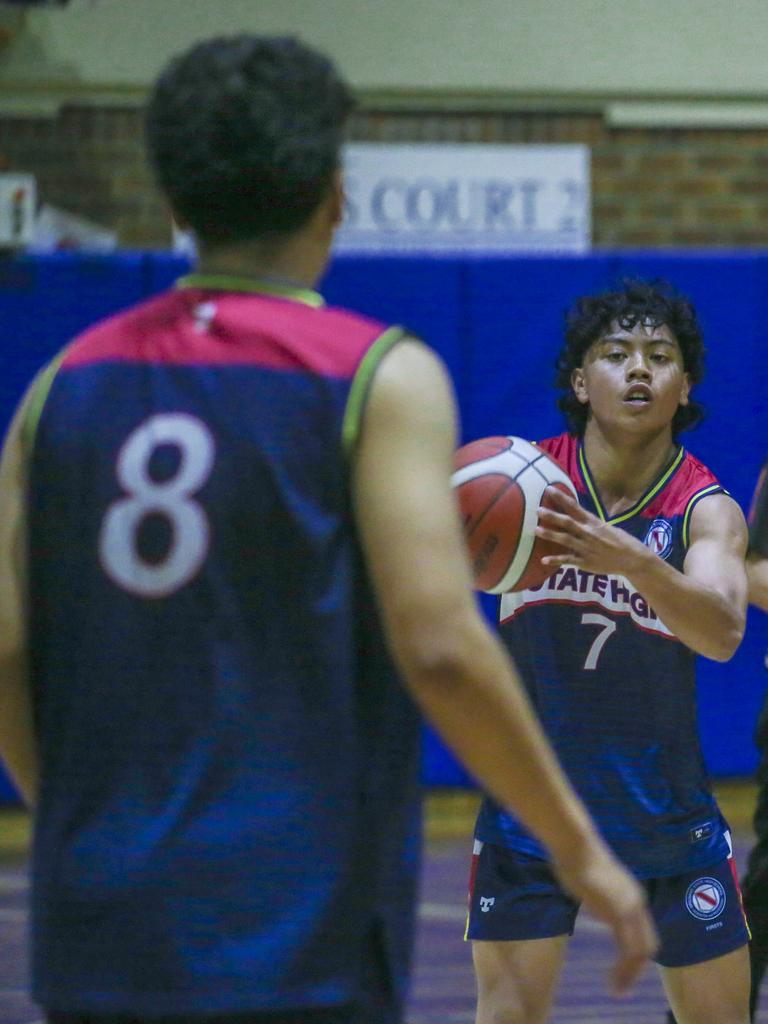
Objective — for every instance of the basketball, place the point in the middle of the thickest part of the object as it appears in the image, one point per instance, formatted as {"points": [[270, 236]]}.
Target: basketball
{"points": [[500, 483]]}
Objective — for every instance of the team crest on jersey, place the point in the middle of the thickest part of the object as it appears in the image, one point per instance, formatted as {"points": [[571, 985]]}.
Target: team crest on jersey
{"points": [[705, 899], [659, 537]]}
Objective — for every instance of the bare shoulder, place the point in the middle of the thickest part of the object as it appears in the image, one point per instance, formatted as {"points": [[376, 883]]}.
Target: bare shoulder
{"points": [[411, 390], [718, 516], [410, 365]]}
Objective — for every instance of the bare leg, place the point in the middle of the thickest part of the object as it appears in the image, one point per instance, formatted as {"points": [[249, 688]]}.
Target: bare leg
{"points": [[516, 981], [713, 992], [754, 885]]}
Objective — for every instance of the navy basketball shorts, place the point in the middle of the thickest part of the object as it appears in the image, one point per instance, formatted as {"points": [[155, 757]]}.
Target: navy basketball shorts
{"points": [[513, 896]]}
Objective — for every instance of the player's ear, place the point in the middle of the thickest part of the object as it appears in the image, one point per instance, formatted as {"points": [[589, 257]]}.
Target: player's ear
{"points": [[579, 385], [685, 389]]}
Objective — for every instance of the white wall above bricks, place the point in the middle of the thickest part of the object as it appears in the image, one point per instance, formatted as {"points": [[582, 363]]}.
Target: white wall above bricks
{"points": [[594, 48]]}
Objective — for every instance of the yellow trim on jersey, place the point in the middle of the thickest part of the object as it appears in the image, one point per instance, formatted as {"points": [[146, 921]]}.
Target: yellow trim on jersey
{"points": [[233, 283], [692, 501], [588, 481], [361, 382], [638, 506], [37, 399]]}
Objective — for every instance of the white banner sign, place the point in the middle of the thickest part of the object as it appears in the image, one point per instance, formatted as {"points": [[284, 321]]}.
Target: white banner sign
{"points": [[454, 198]]}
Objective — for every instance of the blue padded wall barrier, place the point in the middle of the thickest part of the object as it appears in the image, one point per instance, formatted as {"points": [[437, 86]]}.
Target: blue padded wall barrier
{"points": [[429, 298], [161, 269], [514, 331], [426, 296], [730, 293], [498, 324], [46, 300], [510, 389]]}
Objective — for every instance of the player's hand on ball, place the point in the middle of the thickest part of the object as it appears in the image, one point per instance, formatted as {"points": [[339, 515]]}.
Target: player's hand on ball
{"points": [[586, 540]]}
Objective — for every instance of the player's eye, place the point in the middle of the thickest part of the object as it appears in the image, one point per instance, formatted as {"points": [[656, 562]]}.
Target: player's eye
{"points": [[615, 355], [660, 357]]}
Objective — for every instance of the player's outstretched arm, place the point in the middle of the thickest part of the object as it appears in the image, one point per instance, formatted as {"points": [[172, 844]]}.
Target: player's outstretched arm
{"points": [[17, 740], [705, 605], [454, 666]]}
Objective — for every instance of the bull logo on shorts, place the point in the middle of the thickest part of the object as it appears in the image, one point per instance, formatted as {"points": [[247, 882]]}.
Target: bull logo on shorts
{"points": [[705, 899], [486, 902], [659, 537]]}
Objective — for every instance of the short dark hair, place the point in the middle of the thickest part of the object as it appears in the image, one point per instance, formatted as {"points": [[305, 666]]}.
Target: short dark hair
{"points": [[244, 134], [592, 315]]}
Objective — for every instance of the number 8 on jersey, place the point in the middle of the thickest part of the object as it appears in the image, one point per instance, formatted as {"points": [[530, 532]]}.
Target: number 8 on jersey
{"points": [[172, 499]]}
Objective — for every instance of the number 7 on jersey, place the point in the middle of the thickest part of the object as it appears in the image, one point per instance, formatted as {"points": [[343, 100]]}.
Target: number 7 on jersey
{"points": [[607, 629]]}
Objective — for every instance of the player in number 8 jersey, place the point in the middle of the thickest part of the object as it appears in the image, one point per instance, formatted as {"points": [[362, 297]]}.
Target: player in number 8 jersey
{"points": [[652, 574], [198, 502]]}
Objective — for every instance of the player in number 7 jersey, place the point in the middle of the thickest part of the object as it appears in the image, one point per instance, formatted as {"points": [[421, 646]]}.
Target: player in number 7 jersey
{"points": [[652, 574]]}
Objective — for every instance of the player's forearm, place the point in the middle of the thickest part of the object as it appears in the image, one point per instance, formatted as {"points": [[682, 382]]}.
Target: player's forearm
{"points": [[472, 695], [699, 616], [18, 748]]}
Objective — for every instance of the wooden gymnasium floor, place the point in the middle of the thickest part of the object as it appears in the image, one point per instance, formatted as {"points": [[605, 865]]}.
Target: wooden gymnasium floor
{"points": [[442, 985]]}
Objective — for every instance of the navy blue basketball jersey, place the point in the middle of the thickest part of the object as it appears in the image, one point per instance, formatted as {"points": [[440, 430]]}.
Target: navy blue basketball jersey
{"points": [[228, 810], [615, 689]]}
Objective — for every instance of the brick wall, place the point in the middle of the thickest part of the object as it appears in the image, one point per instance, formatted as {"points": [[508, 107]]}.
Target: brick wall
{"points": [[90, 161], [694, 188]]}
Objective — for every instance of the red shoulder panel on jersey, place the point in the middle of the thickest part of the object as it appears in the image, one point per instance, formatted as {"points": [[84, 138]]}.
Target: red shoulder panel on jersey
{"points": [[691, 478], [195, 327], [564, 449]]}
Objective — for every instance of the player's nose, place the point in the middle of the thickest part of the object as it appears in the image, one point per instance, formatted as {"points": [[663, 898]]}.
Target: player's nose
{"points": [[637, 368]]}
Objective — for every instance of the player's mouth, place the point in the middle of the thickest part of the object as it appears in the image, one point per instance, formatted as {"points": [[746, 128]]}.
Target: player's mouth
{"points": [[638, 395]]}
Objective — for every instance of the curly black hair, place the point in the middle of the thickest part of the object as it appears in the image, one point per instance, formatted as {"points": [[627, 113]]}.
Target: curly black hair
{"points": [[655, 303], [244, 135]]}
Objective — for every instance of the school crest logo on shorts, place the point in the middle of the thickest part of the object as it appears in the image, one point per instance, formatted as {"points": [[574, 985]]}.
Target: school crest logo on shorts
{"points": [[705, 899], [659, 537], [486, 902]]}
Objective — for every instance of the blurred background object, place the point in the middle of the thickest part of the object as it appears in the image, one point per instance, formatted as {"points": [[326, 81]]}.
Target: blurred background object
{"points": [[17, 210]]}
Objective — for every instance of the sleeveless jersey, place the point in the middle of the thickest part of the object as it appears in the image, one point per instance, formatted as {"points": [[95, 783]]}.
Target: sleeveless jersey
{"points": [[615, 689], [228, 809]]}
